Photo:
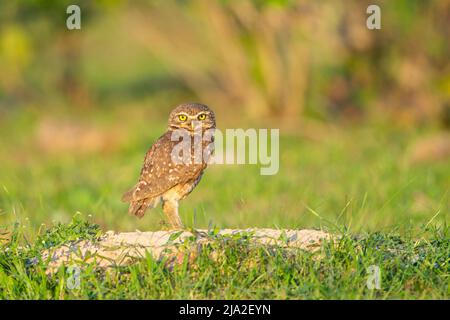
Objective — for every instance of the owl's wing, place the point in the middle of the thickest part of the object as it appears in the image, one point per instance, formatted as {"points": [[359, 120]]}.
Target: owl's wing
{"points": [[128, 196], [159, 173]]}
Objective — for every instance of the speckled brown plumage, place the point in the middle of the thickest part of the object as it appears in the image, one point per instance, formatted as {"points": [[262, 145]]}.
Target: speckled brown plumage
{"points": [[161, 179]]}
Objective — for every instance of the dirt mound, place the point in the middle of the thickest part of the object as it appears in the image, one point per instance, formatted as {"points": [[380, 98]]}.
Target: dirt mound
{"points": [[119, 249]]}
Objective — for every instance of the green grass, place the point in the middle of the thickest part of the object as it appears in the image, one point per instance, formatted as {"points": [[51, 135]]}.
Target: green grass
{"points": [[409, 269], [355, 181]]}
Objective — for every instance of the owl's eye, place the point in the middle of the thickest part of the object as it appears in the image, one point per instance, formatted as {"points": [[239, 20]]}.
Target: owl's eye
{"points": [[182, 117], [201, 117]]}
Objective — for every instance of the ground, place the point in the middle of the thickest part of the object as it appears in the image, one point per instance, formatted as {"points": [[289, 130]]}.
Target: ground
{"points": [[356, 181]]}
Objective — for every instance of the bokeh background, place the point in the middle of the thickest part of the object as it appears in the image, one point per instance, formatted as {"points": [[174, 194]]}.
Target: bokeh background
{"points": [[363, 114]]}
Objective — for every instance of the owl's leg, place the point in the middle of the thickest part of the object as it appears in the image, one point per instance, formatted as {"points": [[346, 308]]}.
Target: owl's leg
{"points": [[170, 208]]}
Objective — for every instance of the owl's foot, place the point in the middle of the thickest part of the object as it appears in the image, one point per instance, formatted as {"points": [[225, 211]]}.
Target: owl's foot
{"points": [[176, 226], [164, 225]]}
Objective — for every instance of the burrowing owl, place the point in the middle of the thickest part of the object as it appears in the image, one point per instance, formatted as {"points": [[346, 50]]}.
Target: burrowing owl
{"points": [[165, 178]]}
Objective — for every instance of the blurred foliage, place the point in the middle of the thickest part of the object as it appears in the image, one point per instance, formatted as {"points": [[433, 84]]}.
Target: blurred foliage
{"points": [[278, 59], [78, 109]]}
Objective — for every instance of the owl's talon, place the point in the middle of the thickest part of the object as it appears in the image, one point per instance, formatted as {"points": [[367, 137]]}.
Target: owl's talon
{"points": [[164, 225]]}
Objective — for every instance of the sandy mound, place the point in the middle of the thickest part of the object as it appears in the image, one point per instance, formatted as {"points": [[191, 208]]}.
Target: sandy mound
{"points": [[119, 249]]}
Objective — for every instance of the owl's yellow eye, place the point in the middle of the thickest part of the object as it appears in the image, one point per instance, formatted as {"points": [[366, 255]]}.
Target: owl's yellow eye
{"points": [[182, 117], [201, 117]]}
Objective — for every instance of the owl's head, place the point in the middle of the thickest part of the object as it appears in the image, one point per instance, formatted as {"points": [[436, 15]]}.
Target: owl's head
{"points": [[189, 115]]}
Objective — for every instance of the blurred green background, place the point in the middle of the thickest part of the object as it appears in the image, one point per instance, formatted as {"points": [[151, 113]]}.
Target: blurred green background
{"points": [[363, 114]]}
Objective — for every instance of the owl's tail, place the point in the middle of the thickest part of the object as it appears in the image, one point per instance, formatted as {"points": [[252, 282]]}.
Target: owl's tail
{"points": [[138, 208]]}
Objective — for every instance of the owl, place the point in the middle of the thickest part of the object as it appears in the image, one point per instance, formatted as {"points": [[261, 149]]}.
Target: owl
{"points": [[166, 177]]}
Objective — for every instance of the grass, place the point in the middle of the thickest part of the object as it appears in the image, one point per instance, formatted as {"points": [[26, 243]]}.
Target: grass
{"points": [[355, 181], [410, 268]]}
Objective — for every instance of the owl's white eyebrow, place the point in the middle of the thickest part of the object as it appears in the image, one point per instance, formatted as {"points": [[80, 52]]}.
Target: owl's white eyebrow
{"points": [[182, 113], [201, 112]]}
